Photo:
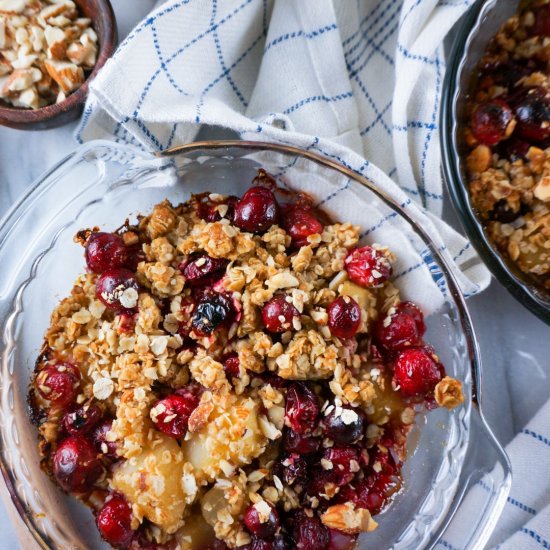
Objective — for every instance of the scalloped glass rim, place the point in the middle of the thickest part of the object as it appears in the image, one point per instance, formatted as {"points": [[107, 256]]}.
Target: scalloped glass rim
{"points": [[110, 176], [477, 27]]}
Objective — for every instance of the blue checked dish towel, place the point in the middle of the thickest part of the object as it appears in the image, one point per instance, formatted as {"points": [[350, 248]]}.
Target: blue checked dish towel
{"points": [[358, 82]]}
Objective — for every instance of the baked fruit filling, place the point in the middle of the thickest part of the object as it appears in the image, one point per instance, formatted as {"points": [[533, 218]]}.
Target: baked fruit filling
{"points": [[508, 140], [234, 373]]}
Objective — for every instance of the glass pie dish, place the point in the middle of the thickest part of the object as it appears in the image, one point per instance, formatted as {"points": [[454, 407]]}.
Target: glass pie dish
{"points": [[451, 452], [477, 29]]}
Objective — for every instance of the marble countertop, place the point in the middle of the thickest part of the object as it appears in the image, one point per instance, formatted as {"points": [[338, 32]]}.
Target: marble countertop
{"points": [[513, 342]]}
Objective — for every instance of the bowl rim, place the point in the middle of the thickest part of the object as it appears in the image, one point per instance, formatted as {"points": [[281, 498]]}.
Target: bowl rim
{"points": [[107, 45], [520, 289], [473, 354]]}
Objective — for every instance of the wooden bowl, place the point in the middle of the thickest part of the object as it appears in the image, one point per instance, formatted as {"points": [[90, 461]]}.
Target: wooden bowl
{"points": [[104, 23]]}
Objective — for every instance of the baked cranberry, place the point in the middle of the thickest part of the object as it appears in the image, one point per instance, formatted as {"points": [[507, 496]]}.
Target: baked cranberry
{"points": [[231, 365], [105, 251], [342, 463], [117, 289], [367, 266], [301, 408], [209, 210], [114, 521], [102, 444], [279, 314], [300, 223], [212, 311], [256, 522], [344, 317], [126, 321], [343, 425], [504, 213], [341, 541], [533, 114], [509, 73], [514, 148], [309, 533], [257, 211], [541, 27], [82, 420], [75, 464], [59, 383], [402, 328], [321, 485], [200, 269], [171, 414], [276, 543], [291, 469], [300, 443], [410, 308], [490, 121], [416, 372]]}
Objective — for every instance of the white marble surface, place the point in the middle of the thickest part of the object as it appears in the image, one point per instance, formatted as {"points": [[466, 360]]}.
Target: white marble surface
{"points": [[513, 342]]}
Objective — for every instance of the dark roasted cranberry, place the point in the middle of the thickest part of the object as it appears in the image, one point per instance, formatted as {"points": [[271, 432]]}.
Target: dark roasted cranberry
{"points": [[102, 444], [276, 543], [291, 469], [503, 213], [491, 121], [256, 521], [509, 73], [321, 485], [257, 211], [533, 113], [342, 462], [341, 541], [279, 314], [105, 251], [300, 223], [367, 266], [310, 534], [212, 311], [344, 317], [514, 148], [231, 365], [59, 383], [299, 443], [114, 521], [171, 414], [343, 425], [117, 289], [301, 408], [210, 210], [75, 464], [416, 372], [82, 420], [541, 26], [200, 269], [399, 329]]}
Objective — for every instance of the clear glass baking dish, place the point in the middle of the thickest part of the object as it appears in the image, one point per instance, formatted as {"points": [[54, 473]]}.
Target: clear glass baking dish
{"points": [[100, 184]]}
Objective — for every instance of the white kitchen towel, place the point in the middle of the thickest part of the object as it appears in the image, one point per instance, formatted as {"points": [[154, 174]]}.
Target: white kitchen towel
{"points": [[358, 82]]}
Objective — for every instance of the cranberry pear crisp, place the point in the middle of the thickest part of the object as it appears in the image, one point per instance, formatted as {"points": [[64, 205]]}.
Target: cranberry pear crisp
{"points": [[508, 138], [234, 373]]}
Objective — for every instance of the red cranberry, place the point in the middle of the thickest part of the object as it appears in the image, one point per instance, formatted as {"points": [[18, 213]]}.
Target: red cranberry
{"points": [[257, 211], [212, 311], [279, 314], [367, 266], [299, 443], [59, 383], [117, 289], [321, 485], [231, 365], [82, 420], [344, 461], [75, 464], [490, 121], [105, 251], [403, 328], [114, 521], [341, 541], [343, 425], [310, 534], [533, 114], [541, 26], [99, 437], [300, 223], [301, 408], [171, 414], [291, 469], [256, 522], [200, 269], [416, 372], [410, 308], [344, 317]]}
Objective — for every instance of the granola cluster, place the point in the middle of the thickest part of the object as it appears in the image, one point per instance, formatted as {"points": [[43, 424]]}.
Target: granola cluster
{"points": [[204, 384], [508, 139], [46, 48]]}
